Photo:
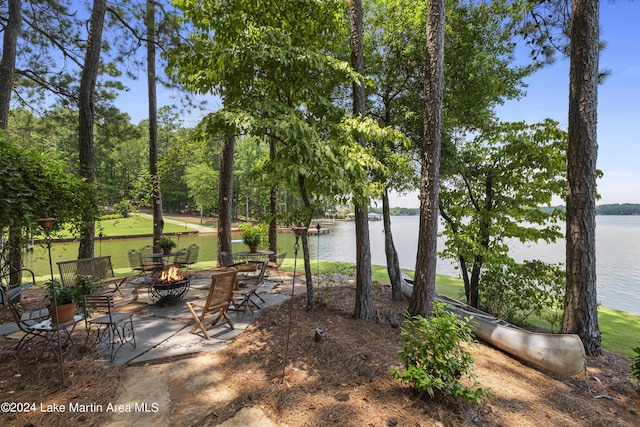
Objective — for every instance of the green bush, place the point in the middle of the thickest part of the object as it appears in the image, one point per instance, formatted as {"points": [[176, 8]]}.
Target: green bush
{"points": [[107, 217], [124, 207], [514, 292], [85, 285], [435, 356], [635, 366]]}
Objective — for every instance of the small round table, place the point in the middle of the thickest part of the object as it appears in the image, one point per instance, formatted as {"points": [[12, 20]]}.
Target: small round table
{"points": [[253, 256]]}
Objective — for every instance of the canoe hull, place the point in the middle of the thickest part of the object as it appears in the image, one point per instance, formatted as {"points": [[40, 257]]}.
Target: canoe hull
{"points": [[559, 353]]}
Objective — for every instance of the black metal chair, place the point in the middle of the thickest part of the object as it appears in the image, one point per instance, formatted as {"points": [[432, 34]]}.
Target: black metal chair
{"points": [[114, 329], [24, 320]]}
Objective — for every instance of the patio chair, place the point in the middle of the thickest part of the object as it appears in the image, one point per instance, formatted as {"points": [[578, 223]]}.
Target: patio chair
{"points": [[190, 256], [136, 264], [273, 266], [114, 329], [154, 263], [181, 259], [245, 292], [227, 259], [217, 303], [24, 320]]}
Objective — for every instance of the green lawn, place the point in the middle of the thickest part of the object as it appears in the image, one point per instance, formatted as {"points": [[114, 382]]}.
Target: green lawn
{"points": [[620, 331], [134, 225]]}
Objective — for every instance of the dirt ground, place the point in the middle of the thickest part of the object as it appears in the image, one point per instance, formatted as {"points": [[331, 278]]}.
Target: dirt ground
{"points": [[343, 381]]}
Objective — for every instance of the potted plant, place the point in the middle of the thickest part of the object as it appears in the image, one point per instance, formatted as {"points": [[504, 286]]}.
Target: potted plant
{"points": [[85, 285], [252, 235], [166, 244], [62, 308]]}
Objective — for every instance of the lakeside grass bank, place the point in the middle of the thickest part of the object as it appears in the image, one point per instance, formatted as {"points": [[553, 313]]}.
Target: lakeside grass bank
{"points": [[620, 330]]}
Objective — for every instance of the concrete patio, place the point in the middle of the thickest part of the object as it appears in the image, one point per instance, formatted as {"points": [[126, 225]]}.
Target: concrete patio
{"points": [[163, 331]]}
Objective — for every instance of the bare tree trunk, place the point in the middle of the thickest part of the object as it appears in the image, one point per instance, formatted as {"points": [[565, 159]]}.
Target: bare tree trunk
{"points": [[311, 302], [364, 308], [86, 106], [424, 288], [581, 309], [8, 62], [393, 263], [7, 71], [273, 205], [225, 194], [156, 193]]}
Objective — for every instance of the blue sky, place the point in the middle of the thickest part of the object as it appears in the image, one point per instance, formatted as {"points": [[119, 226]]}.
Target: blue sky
{"points": [[618, 105], [548, 96]]}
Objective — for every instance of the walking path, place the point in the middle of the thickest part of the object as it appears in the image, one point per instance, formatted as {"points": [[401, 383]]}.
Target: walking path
{"points": [[164, 332], [198, 227]]}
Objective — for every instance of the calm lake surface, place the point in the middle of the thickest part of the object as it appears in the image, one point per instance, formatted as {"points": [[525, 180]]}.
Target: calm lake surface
{"points": [[617, 252]]}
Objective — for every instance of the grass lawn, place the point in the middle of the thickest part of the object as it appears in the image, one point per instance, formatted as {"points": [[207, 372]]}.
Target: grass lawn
{"points": [[134, 225], [620, 330]]}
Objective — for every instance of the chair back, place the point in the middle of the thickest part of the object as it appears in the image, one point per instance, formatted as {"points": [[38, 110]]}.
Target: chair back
{"points": [[97, 303], [276, 261], [221, 290], [192, 254], [182, 257], [263, 269], [259, 279], [227, 258], [135, 260], [147, 250], [23, 320], [15, 312]]}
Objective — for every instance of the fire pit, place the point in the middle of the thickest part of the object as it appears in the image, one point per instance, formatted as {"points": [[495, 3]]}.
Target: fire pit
{"points": [[170, 287]]}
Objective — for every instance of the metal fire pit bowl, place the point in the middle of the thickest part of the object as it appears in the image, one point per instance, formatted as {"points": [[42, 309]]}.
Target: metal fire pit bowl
{"points": [[169, 293]]}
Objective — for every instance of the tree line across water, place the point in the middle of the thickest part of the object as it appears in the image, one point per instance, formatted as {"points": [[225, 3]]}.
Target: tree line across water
{"points": [[608, 209]]}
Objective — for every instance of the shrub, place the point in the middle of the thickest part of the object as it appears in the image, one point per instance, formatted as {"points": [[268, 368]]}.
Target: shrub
{"points": [[124, 207], [514, 292], [85, 285], [435, 356], [635, 366]]}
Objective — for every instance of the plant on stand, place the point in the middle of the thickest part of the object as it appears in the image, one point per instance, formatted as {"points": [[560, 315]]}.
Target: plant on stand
{"points": [[63, 306], [253, 235], [166, 244]]}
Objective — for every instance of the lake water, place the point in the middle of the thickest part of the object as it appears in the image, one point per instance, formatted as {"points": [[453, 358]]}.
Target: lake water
{"points": [[617, 252]]}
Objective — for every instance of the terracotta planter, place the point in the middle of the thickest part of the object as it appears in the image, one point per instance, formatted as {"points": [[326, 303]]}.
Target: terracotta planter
{"points": [[253, 249], [63, 313], [166, 250]]}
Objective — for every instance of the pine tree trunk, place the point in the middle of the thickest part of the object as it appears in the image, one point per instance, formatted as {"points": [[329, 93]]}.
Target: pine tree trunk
{"points": [[86, 106], [8, 62], [424, 287], [581, 305], [156, 193], [225, 194], [364, 308]]}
